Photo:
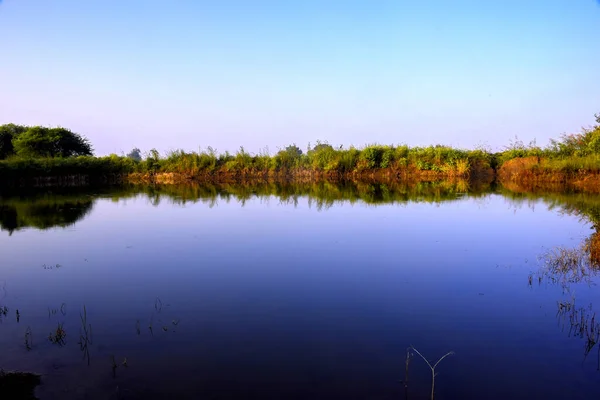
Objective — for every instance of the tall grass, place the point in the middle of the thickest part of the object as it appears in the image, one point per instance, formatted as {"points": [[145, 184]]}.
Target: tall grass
{"points": [[571, 154], [322, 159]]}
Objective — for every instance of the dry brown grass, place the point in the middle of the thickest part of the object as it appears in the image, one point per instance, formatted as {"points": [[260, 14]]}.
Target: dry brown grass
{"points": [[532, 173]]}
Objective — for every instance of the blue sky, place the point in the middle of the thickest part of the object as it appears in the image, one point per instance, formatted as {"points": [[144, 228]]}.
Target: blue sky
{"points": [[266, 73]]}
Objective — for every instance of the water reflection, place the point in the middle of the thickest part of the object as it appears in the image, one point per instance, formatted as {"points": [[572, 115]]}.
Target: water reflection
{"points": [[351, 294], [63, 208], [43, 211], [570, 268]]}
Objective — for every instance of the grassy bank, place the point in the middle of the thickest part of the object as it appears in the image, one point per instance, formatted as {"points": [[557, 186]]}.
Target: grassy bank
{"points": [[573, 159], [572, 173], [321, 161], [63, 171]]}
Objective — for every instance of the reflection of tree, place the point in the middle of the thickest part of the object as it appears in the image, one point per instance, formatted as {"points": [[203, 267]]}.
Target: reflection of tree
{"points": [[45, 214], [581, 322], [66, 205], [585, 206], [568, 267], [322, 194]]}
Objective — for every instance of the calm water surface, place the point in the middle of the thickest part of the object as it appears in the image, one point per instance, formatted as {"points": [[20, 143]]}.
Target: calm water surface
{"points": [[295, 294]]}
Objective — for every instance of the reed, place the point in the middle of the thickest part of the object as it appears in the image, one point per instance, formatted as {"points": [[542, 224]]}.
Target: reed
{"points": [[28, 338], [568, 267], [85, 336], [322, 159]]}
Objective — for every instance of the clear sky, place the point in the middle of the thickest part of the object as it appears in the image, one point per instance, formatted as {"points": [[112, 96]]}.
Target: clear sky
{"points": [[257, 73]]}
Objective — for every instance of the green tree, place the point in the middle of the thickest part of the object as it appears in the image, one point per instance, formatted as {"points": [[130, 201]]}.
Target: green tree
{"points": [[39, 141], [8, 133], [153, 161], [293, 150], [321, 147], [135, 154]]}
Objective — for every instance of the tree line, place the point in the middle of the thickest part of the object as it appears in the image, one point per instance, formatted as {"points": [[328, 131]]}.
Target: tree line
{"points": [[27, 147]]}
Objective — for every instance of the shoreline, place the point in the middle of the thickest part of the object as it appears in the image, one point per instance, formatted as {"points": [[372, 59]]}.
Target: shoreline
{"points": [[527, 173]]}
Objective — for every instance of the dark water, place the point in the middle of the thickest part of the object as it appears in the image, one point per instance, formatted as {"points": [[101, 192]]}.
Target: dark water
{"points": [[297, 292]]}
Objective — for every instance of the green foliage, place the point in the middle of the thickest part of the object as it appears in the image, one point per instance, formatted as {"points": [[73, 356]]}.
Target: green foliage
{"points": [[567, 153], [6, 146], [322, 158], [321, 147], [22, 169], [39, 142], [575, 152], [579, 144], [152, 163], [574, 164], [135, 154], [293, 150], [371, 157], [8, 133]]}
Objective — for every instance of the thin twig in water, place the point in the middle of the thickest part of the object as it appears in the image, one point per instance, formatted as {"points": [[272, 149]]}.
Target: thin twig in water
{"points": [[433, 374], [407, 364]]}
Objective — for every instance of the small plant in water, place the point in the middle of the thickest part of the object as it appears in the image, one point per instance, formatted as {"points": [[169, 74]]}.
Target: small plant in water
{"points": [[568, 267], [28, 338], [114, 365], [3, 312], [85, 336], [58, 336]]}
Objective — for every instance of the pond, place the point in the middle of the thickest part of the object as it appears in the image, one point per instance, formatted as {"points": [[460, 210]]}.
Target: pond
{"points": [[311, 291]]}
